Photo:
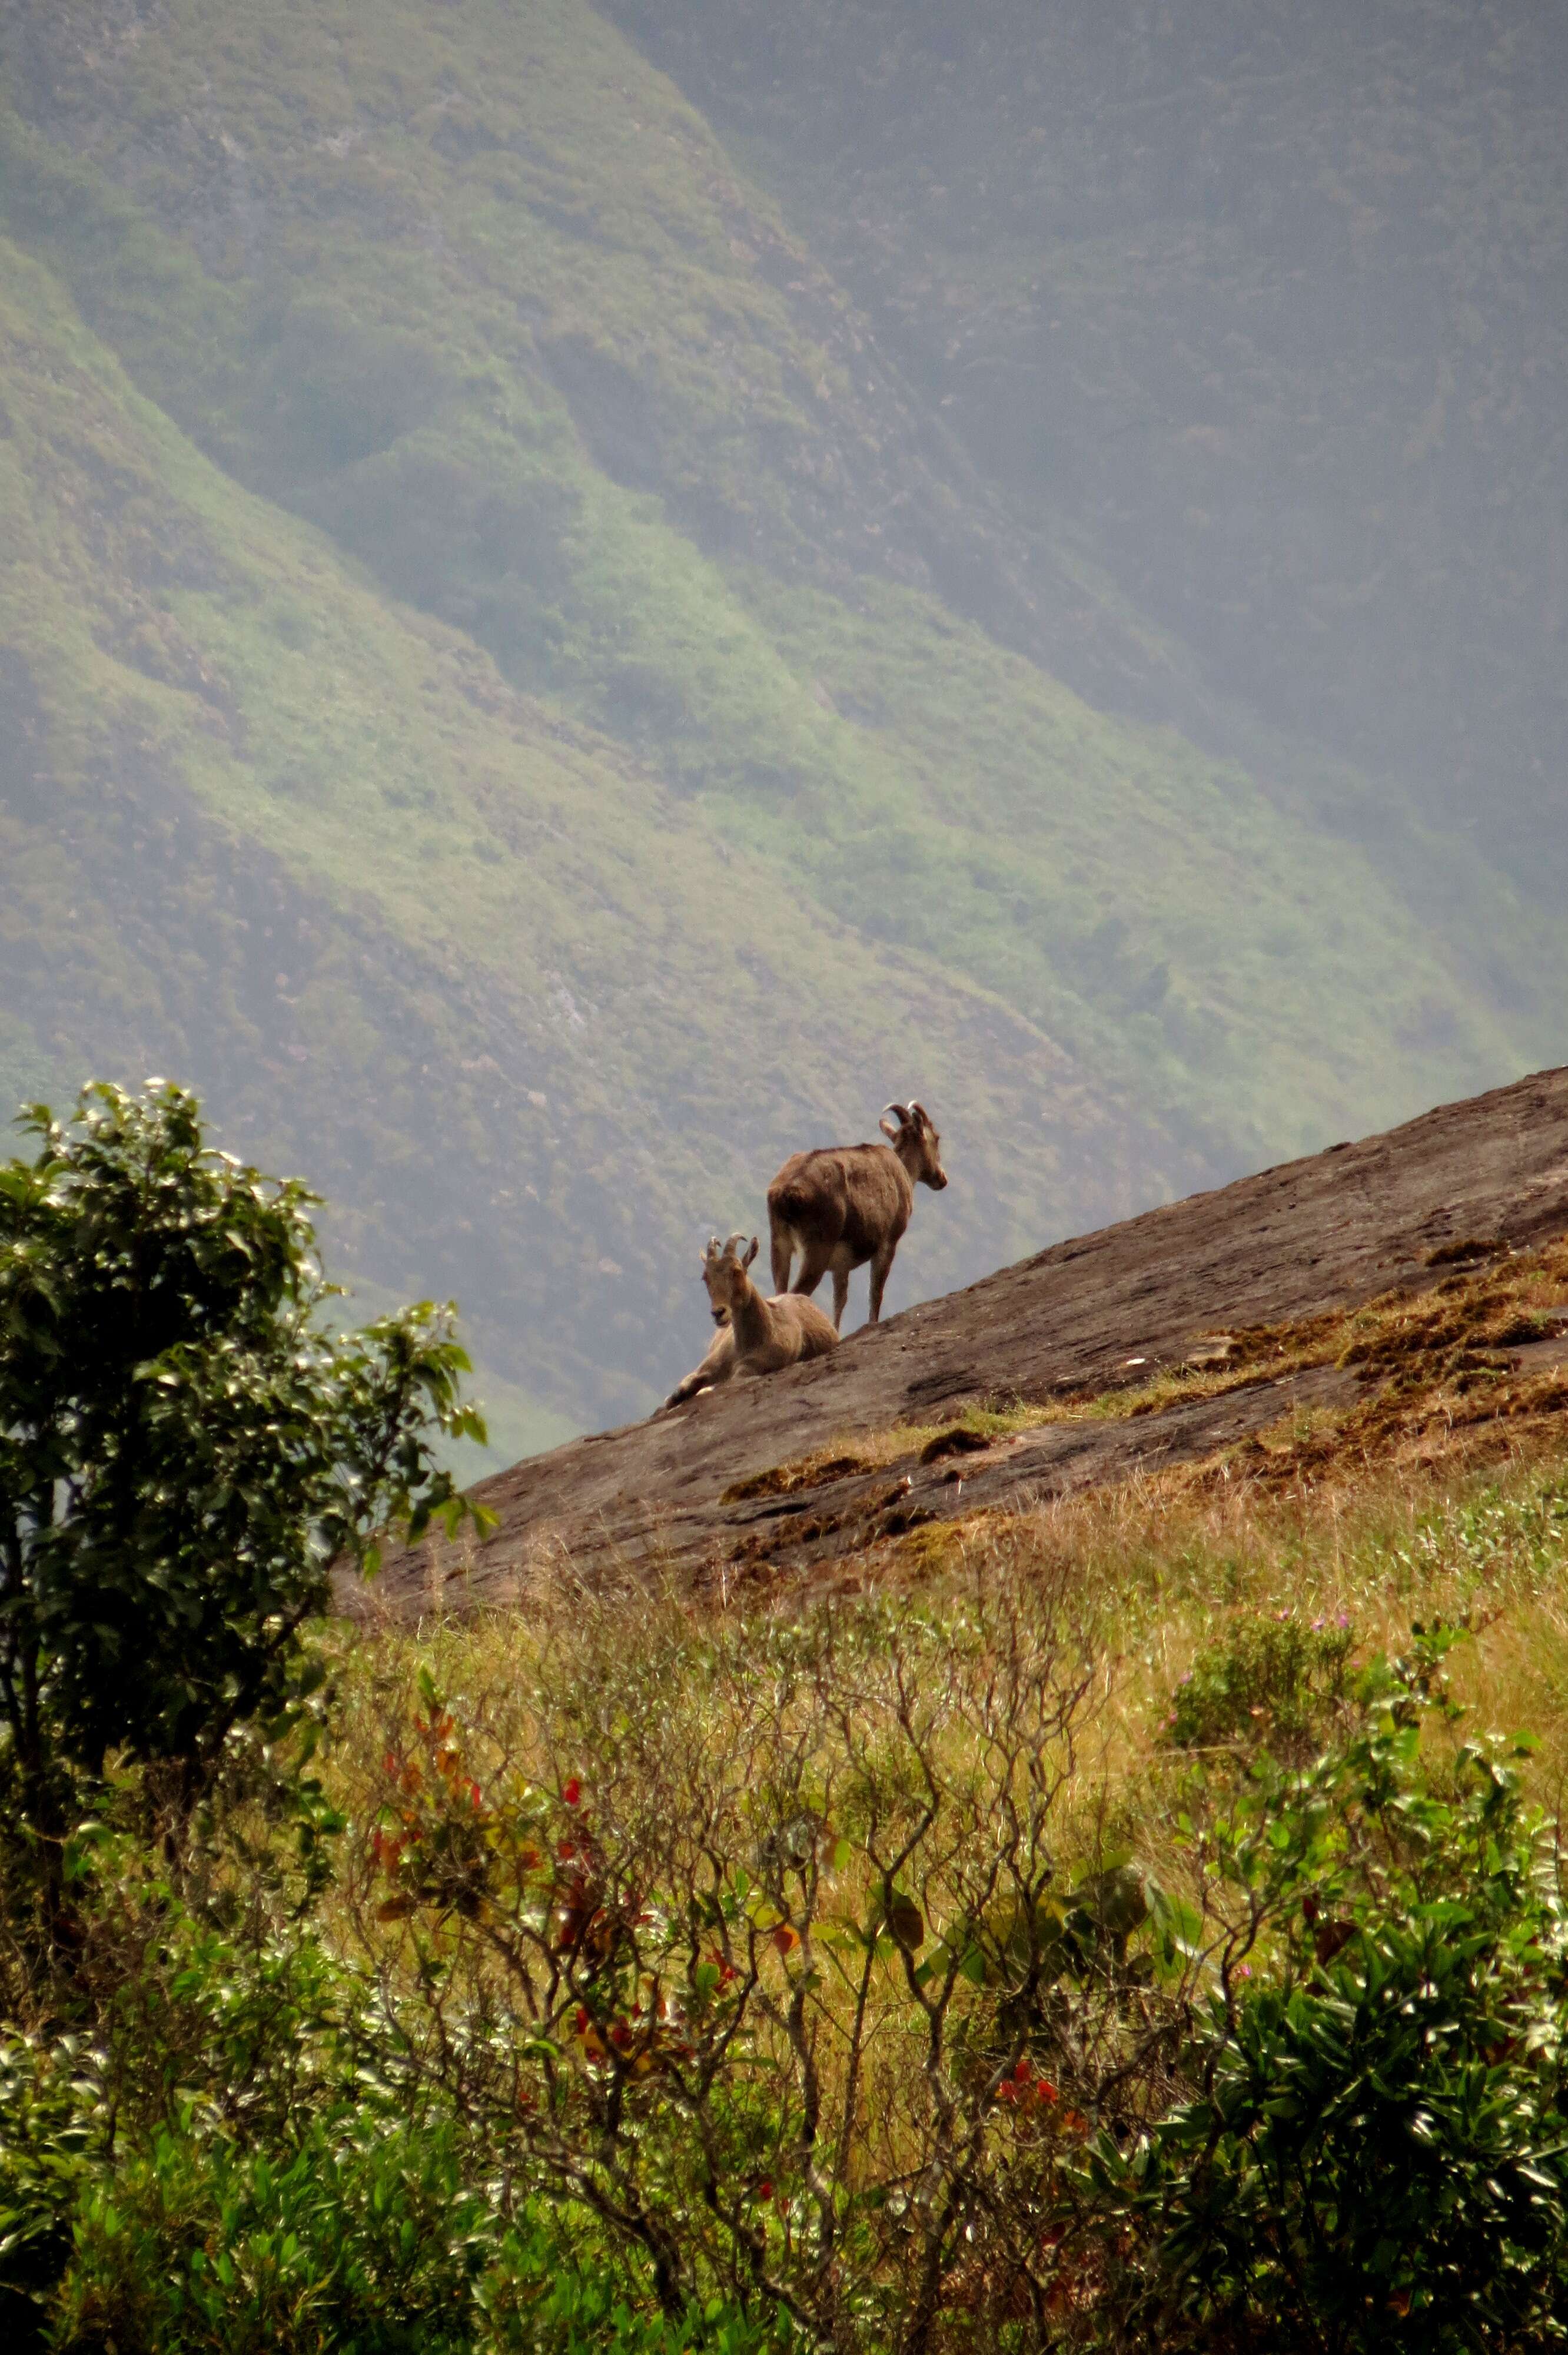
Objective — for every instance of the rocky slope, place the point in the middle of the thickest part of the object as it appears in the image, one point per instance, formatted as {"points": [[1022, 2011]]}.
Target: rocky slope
{"points": [[1240, 1290]]}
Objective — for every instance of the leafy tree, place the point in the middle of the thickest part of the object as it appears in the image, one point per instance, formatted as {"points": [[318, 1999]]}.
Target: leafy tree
{"points": [[185, 1449]]}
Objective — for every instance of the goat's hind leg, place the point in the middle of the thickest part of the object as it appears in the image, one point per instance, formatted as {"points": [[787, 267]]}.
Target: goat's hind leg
{"points": [[781, 1249], [814, 1265]]}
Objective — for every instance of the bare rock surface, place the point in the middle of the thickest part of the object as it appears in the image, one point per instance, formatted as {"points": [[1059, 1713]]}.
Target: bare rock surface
{"points": [[1086, 1316]]}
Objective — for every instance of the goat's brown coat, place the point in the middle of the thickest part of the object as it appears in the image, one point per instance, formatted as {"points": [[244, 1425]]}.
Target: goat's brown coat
{"points": [[759, 1336], [843, 1205]]}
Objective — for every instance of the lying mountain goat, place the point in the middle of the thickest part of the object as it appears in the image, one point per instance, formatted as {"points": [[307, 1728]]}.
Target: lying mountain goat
{"points": [[758, 1335], [845, 1204]]}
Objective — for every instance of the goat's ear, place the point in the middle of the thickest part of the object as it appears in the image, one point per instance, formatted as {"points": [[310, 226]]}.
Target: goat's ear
{"points": [[890, 1129], [751, 1255]]}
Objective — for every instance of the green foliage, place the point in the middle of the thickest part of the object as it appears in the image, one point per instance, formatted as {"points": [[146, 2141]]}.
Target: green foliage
{"points": [[548, 2294], [361, 2238], [345, 2226], [241, 2158], [1272, 1682], [743, 1987], [54, 2129], [370, 2237], [1375, 2154], [184, 1450]]}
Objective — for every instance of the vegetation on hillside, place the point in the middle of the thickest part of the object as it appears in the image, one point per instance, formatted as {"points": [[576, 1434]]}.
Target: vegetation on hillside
{"points": [[645, 1984], [1118, 1925], [570, 647]]}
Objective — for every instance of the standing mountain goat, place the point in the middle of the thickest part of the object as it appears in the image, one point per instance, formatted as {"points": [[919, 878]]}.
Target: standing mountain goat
{"points": [[845, 1204], [758, 1335]]}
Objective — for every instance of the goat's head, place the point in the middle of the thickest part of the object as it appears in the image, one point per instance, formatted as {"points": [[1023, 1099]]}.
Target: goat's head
{"points": [[724, 1273], [912, 1134]]}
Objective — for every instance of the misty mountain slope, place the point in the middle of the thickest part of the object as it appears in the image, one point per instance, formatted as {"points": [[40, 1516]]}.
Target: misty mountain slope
{"points": [[517, 581], [1267, 305], [528, 1027], [468, 288]]}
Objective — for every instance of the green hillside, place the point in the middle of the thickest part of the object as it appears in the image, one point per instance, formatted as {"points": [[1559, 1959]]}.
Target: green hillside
{"points": [[1265, 307], [511, 989], [507, 690]]}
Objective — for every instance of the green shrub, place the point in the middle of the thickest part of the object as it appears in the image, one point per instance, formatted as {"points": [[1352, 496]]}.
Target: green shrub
{"points": [[240, 2164], [1374, 2154], [1274, 1681], [54, 2126], [362, 2239], [370, 2237], [185, 1449]]}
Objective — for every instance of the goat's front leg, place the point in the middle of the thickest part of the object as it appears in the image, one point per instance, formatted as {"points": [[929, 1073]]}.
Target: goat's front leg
{"points": [[879, 1268], [717, 1367], [841, 1298]]}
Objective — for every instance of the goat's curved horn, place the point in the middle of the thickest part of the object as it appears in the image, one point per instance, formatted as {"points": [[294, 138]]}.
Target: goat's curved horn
{"points": [[899, 1109], [738, 1237]]}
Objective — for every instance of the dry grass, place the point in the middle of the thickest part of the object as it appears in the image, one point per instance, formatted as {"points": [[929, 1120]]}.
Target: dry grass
{"points": [[1155, 1569], [1163, 1567], [621, 1793], [973, 1733]]}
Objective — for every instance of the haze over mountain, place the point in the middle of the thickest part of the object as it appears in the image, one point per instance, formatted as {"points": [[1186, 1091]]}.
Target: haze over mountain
{"points": [[586, 594], [1264, 307]]}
